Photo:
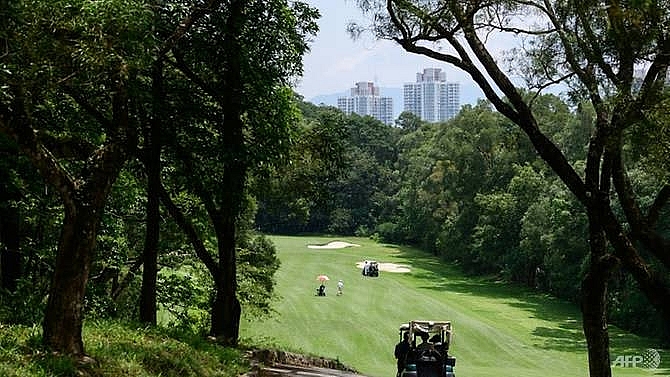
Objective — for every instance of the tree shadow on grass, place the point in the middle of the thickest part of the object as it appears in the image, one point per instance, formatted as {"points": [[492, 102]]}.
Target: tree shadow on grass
{"points": [[567, 334], [563, 338], [438, 275]]}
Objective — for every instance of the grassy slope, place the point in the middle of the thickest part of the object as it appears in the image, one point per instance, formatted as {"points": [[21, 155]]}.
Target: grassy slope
{"points": [[499, 330], [119, 350]]}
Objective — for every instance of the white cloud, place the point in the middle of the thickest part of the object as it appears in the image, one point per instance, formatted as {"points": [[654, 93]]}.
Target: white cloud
{"points": [[349, 65]]}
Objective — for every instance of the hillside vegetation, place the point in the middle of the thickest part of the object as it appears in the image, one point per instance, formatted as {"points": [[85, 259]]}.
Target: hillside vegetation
{"points": [[500, 330], [119, 349]]}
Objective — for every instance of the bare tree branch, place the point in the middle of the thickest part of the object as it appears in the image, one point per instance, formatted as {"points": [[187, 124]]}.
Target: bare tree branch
{"points": [[190, 231]]}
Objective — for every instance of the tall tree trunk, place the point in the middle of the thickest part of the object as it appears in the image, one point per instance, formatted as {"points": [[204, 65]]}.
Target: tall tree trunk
{"points": [[594, 301], [594, 317], [148, 304], [63, 318], [226, 308], [84, 200]]}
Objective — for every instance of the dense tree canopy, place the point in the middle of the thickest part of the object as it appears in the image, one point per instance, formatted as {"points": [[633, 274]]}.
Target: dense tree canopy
{"points": [[83, 84]]}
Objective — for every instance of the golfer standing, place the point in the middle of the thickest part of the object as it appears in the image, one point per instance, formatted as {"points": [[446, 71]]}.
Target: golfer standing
{"points": [[340, 285]]}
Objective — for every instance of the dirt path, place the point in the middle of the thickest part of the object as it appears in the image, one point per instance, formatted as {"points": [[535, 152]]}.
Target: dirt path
{"points": [[292, 370], [266, 363]]}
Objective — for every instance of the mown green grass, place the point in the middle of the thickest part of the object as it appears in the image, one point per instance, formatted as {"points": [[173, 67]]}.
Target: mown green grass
{"points": [[118, 349], [500, 330]]}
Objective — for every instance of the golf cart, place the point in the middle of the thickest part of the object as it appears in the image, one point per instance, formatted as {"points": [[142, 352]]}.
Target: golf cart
{"points": [[430, 359], [371, 268]]}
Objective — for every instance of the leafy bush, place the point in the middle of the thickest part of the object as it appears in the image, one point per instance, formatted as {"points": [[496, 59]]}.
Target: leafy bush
{"points": [[185, 295], [24, 306], [389, 232], [257, 264]]}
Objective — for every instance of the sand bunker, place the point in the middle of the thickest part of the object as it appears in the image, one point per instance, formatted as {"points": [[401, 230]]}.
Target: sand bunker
{"points": [[333, 245], [388, 267]]}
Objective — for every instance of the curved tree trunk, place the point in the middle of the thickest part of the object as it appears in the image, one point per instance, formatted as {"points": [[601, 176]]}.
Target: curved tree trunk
{"points": [[83, 200], [63, 318]]}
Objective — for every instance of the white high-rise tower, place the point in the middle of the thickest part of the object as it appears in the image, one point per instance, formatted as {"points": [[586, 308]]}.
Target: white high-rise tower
{"points": [[364, 99], [431, 97]]}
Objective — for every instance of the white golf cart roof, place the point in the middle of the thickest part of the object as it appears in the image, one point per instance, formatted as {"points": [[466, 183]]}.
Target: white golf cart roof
{"points": [[443, 328], [426, 326]]}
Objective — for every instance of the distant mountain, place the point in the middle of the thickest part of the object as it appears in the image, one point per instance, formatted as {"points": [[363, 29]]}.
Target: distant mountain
{"points": [[469, 95], [325, 99]]}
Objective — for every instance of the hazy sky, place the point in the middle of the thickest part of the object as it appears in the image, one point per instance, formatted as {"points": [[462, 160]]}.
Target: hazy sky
{"points": [[336, 62]]}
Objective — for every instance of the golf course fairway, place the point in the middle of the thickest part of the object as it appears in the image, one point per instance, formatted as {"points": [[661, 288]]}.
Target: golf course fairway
{"points": [[499, 330]]}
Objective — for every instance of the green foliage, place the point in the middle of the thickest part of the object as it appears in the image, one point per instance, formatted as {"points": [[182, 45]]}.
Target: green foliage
{"points": [[496, 233], [119, 242], [553, 232], [408, 121], [79, 72], [388, 232], [185, 289], [628, 305], [26, 304], [184, 296], [296, 194], [650, 142], [32, 206], [341, 221], [340, 178], [257, 264], [76, 47]]}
